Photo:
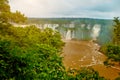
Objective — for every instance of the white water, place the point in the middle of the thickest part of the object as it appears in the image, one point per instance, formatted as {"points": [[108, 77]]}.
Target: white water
{"points": [[68, 35], [95, 31], [73, 34]]}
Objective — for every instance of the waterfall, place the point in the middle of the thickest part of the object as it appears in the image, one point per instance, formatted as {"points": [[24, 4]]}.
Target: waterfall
{"points": [[73, 34], [95, 31], [68, 35]]}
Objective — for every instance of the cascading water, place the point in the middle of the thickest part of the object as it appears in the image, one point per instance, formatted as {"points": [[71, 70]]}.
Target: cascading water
{"points": [[73, 34], [95, 31], [87, 32], [68, 35]]}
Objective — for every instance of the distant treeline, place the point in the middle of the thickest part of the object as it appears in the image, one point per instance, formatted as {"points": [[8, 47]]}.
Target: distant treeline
{"points": [[70, 20]]}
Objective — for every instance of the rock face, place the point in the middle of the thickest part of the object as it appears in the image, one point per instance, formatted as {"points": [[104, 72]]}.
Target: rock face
{"points": [[85, 54]]}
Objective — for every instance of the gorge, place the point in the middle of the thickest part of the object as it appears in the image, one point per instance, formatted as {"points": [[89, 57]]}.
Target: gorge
{"points": [[83, 39]]}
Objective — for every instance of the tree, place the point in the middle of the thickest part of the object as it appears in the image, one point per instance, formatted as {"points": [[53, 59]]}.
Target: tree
{"points": [[116, 32], [18, 17], [4, 7], [40, 61], [113, 54], [31, 54], [84, 74], [6, 16], [4, 10], [113, 50]]}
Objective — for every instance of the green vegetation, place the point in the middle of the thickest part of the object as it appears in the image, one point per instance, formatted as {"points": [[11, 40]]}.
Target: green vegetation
{"points": [[116, 34], [76, 21], [30, 53], [112, 50], [33, 54], [7, 16]]}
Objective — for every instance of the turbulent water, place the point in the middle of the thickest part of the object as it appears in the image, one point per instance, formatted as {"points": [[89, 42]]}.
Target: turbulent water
{"points": [[68, 35], [79, 54], [83, 52], [102, 34], [95, 31]]}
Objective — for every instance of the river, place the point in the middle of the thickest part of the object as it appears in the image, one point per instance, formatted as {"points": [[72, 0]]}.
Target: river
{"points": [[79, 54]]}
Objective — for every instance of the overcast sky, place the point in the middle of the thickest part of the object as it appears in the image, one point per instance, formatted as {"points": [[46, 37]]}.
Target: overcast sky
{"points": [[67, 8]]}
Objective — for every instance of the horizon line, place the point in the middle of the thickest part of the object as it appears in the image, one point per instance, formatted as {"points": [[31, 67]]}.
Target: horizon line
{"points": [[76, 17]]}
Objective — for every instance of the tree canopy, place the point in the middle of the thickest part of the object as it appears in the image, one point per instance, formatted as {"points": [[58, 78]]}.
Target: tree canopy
{"points": [[7, 16], [116, 33], [112, 50]]}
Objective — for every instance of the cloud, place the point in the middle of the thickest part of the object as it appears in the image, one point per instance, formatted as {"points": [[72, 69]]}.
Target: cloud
{"points": [[67, 8]]}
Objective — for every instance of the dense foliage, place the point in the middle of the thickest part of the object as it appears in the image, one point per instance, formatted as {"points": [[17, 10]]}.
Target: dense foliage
{"points": [[38, 62], [112, 50], [27, 53], [7, 16], [113, 53], [116, 35], [30, 53]]}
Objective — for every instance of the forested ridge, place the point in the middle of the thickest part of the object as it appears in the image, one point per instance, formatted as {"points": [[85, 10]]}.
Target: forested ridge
{"points": [[61, 20]]}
